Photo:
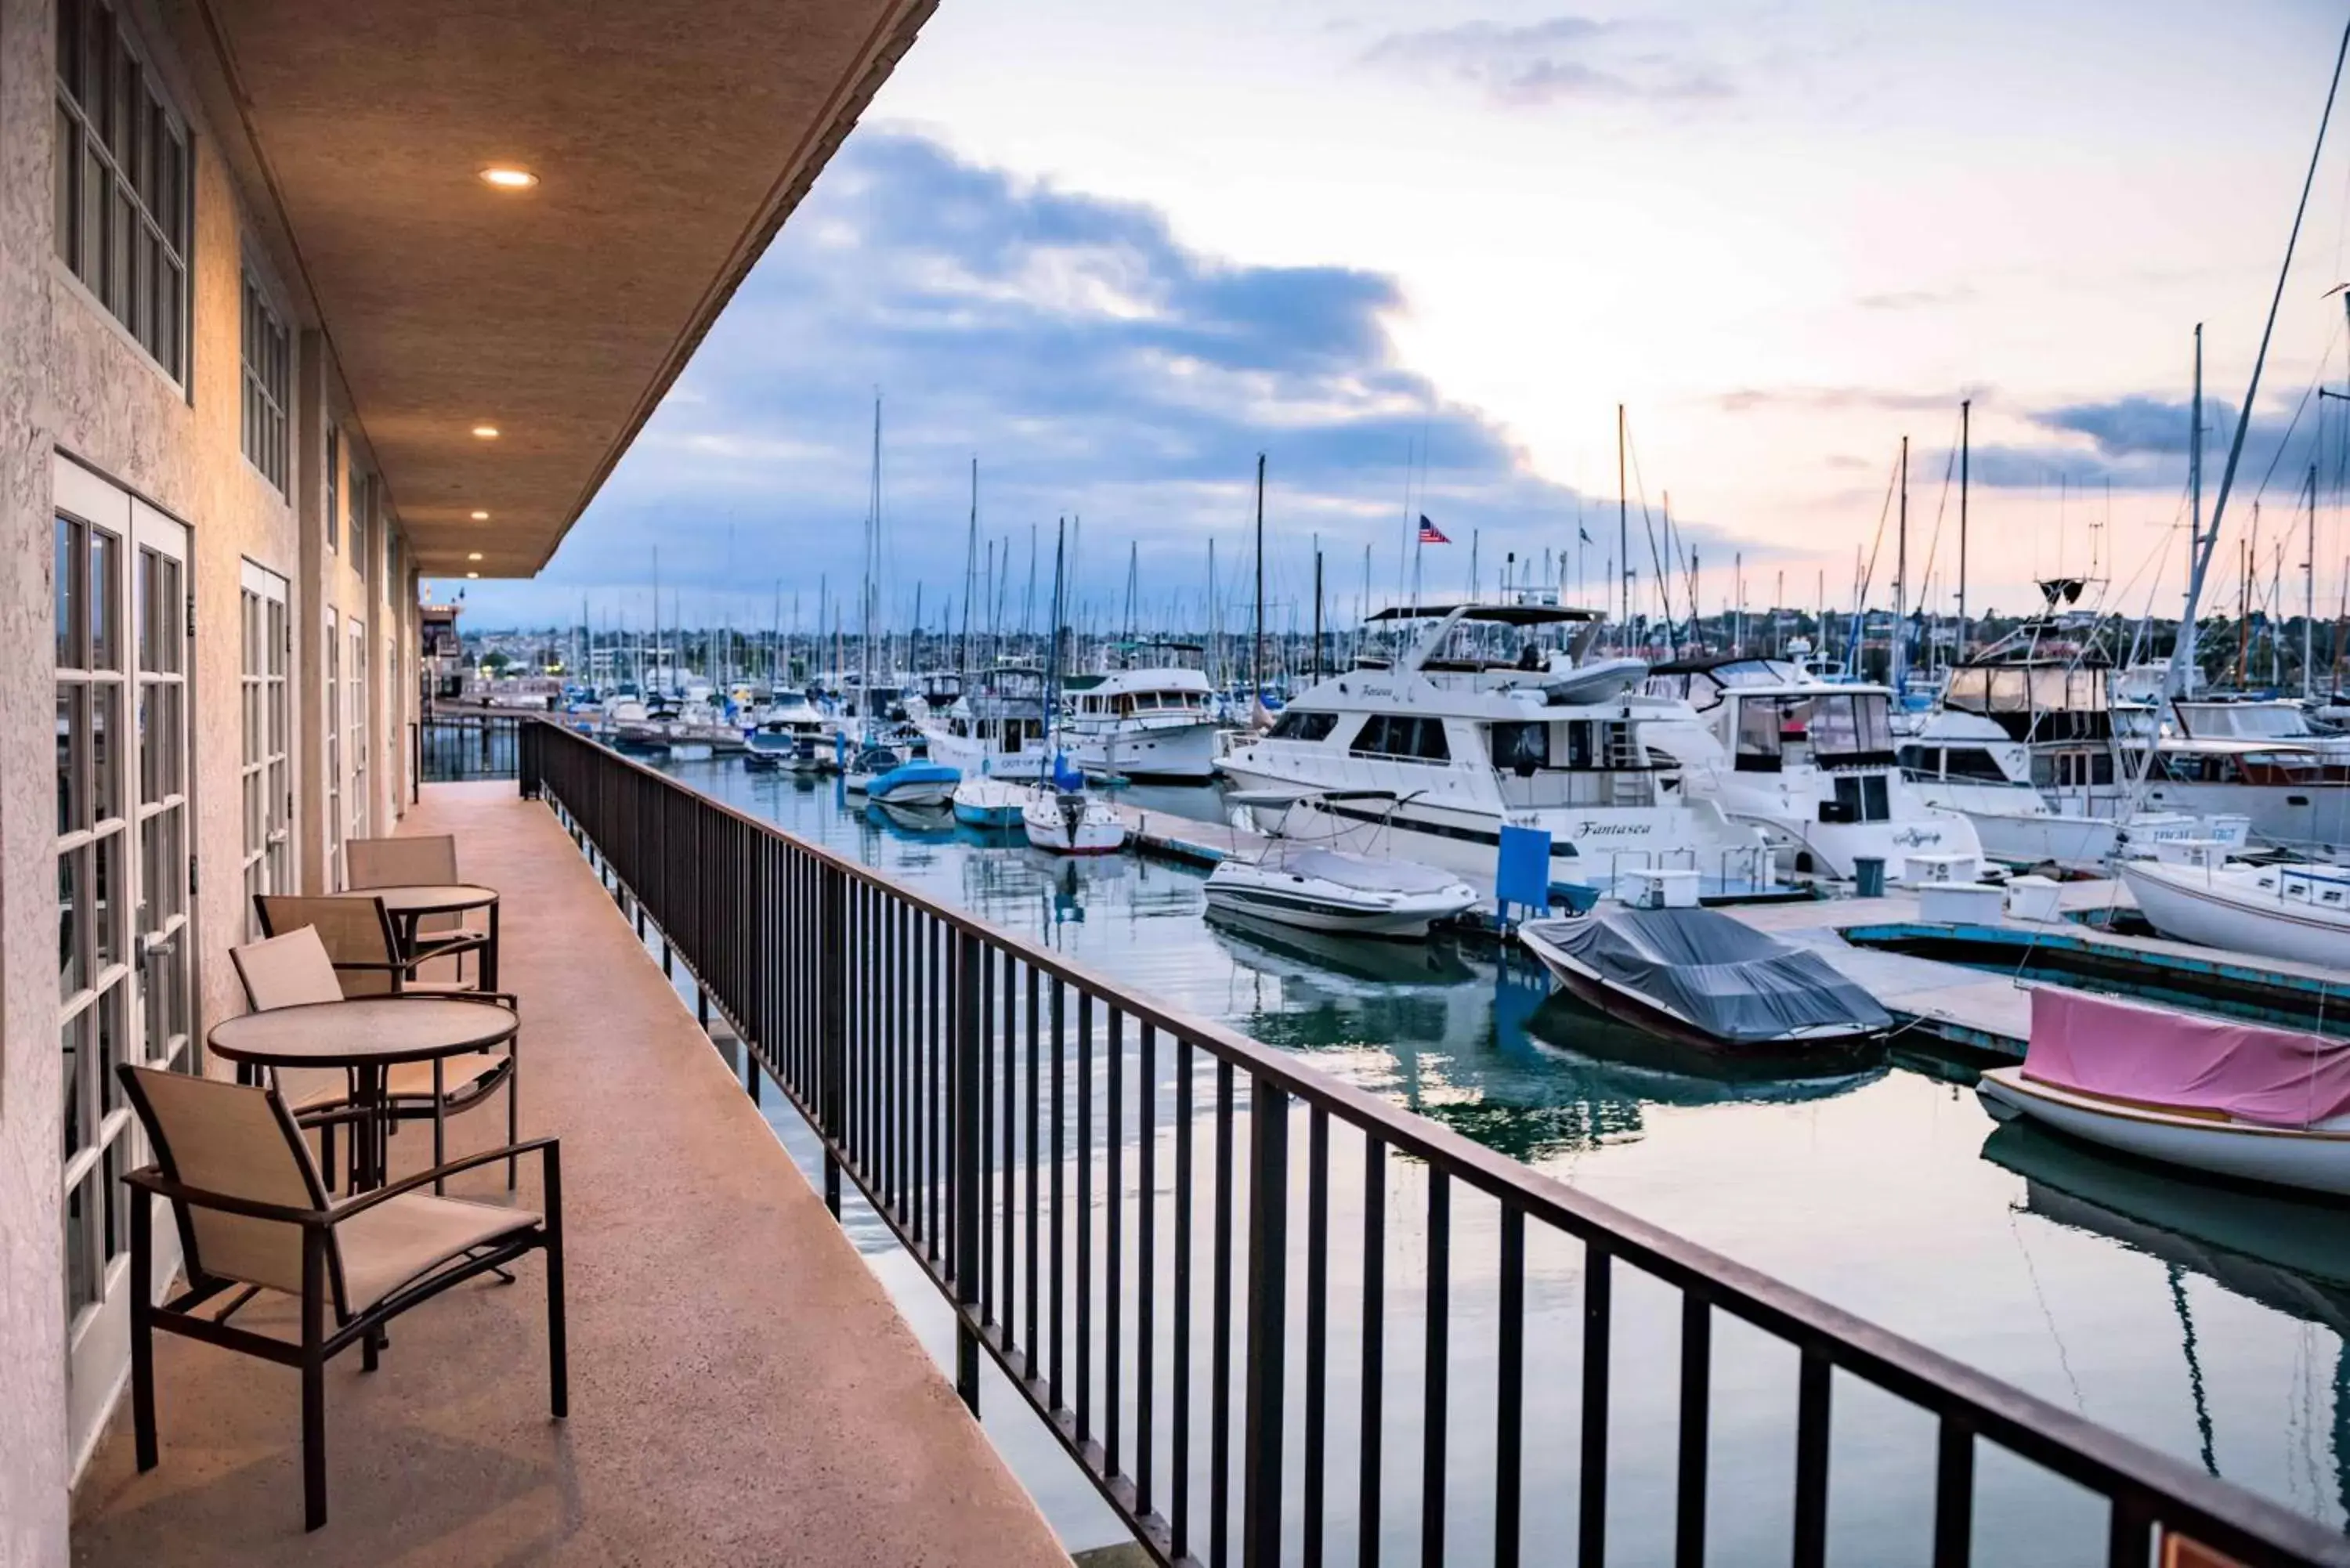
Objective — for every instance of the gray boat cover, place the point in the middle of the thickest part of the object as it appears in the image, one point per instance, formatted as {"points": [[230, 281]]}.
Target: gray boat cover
{"points": [[1728, 979], [1366, 875]]}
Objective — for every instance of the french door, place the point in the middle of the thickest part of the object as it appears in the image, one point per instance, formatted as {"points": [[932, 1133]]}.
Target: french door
{"points": [[124, 946], [267, 778]]}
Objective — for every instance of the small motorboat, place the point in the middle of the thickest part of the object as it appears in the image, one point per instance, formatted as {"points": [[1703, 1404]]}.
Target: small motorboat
{"points": [[1702, 976], [914, 784], [990, 803], [2227, 1098], [1330, 890], [2300, 913], [860, 767], [1070, 822]]}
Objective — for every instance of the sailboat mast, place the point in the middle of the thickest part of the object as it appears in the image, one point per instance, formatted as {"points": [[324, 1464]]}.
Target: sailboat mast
{"points": [[2185, 642], [1966, 411], [1623, 527], [969, 568], [1896, 657], [2309, 593], [1257, 659], [1317, 604]]}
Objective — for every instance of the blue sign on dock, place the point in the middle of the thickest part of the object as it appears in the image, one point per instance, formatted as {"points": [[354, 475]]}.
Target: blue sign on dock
{"points": [[1522, 869]]}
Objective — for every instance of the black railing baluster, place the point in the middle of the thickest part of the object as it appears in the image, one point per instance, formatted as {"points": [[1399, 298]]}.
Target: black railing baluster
{"points": [[1036, 1245], [1811, 1462], [1434, 1403], [1268, 1265], [1954, 1494], [1317, 1326], [1220, 1329], [971, 1236], [1375, 1331], [1696, 1422], [1509, 1393], [1085, 1216], [1060, 1174], [1591, 1505], [873, 1008], [1178, 1452], [1146, 1260], [1114, 1249]]}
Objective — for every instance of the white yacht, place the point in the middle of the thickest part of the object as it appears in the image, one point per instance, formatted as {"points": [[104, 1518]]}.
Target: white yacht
{"points": [[1433, 752], [1812, 764], [994, 730], [789, 728], [1966, 762], [1145, 719], [2291, 792]]}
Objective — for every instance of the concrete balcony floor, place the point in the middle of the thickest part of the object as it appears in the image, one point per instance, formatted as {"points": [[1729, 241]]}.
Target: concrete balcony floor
{"points": [[741, 1389]]}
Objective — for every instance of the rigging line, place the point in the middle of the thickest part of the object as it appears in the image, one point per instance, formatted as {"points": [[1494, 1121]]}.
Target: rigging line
{"points": [[2062, 1361], [1656, 560], [2315, 379], [2194, 1369], [1868, 579]]}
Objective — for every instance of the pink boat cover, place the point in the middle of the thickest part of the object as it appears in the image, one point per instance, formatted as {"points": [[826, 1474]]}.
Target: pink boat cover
{"points": [[2276, 1077]]}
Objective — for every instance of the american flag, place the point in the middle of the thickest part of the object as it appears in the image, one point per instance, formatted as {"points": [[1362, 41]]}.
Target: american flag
{"points": [[1430, 534]]}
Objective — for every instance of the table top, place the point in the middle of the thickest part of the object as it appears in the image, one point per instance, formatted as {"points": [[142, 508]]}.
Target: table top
{"points": [[426, 899], [369, 1030]]}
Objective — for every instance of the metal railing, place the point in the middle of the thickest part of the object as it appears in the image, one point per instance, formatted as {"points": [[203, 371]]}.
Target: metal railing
{"points": [[452, 748], [1132, 1211]]}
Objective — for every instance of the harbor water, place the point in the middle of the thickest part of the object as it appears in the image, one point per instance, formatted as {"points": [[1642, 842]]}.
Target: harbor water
{"points": [[2208, 1323]]}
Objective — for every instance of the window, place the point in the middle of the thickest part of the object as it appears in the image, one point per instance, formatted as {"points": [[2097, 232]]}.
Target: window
{"points": [[362, 506], [1974, 763], [355, 718], [1297, 724], [334, 488], [1759, 736], [267, 777], [268, 376], [1863, 797], [1522, 747], [122, 182], [1402, 736], [333, 729], [1852, 729]]}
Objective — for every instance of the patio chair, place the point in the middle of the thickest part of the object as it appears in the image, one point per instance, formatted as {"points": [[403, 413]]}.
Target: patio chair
{"points": [[251, 1211], [418, 860], [335, 950]]}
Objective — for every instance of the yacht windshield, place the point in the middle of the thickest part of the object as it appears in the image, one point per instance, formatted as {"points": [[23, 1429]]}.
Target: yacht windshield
{"points": [[1851, 729]]}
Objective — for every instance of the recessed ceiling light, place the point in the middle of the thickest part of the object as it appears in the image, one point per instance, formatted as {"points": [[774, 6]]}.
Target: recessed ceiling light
{"points": [[475, 556], [505, 177], [481, 517], [472, 574], [487, 433]]}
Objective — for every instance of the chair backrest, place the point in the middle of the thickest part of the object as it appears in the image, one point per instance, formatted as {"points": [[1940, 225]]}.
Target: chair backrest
{"points": [[411, 861], [287, 971], [352, 930], [239, 1142]]}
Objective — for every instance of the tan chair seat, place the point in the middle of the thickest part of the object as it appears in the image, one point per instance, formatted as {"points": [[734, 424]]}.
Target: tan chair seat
{"points": [[413, 1080], [403, 1236]]}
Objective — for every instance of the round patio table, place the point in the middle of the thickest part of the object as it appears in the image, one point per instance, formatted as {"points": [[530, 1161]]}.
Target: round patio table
{"points": [[366, 1037], [407, 905]]}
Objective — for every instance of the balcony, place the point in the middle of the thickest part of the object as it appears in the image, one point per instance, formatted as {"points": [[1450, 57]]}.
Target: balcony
{"points": [[1268, 1317], [743, 1391]]}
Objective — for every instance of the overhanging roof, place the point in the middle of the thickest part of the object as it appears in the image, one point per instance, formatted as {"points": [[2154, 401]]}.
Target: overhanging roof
{"points": [[671, 137]]}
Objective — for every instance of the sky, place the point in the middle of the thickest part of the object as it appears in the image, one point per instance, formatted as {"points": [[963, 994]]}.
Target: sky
{"points": [[1418, 257]]}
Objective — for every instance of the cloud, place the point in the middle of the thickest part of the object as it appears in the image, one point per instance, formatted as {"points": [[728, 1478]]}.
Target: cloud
{"points": [[2141, 443], [1916, 299], [1849, 400], [1537, 64], [1095, 365]]}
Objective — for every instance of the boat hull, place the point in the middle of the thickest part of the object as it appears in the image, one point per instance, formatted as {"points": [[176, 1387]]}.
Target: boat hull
{"points": [[1313, 905], [1094, 832], [1175, 754], [1603, 996], [2310, 1161], [2195, 906]]}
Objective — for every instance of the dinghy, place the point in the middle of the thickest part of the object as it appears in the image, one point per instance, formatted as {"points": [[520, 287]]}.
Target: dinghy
{"points": [[2294, 912], [1329, 890], [989, 802], [2232, 1099], [1070, 822], [1702, 976]]}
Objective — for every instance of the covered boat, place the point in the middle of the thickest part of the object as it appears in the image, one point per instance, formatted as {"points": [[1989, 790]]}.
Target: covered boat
{"points": [[1699, 974], [1329, 890], [914, 784], [2234, 1099]]}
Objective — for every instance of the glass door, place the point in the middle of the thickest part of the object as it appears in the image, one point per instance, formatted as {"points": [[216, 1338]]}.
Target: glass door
{"points": [[266, 780], [124, 946]]}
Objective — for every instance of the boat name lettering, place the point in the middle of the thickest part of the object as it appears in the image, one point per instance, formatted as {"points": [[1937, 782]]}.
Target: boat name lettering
{"points": [[1612, 830], [1911, 837]]}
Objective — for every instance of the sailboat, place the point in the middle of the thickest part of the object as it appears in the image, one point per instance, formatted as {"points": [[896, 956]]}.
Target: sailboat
{"points": [[1059, 817]]}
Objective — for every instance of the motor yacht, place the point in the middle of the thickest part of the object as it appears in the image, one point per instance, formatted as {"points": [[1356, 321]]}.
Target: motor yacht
{"points": [[1149, 717], [994, 730], [1488, 717], [1810, 764]]}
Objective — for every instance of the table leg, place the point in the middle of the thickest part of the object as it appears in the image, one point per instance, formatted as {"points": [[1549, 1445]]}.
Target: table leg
{"points": [[489, 959], [367, 1134], [439, 1125]]}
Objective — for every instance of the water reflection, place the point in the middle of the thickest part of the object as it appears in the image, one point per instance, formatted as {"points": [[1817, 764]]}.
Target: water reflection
{"points": [[2205, 1322]]}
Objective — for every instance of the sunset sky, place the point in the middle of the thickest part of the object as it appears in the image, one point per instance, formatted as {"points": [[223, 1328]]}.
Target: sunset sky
{"points": [[1114, 251]]}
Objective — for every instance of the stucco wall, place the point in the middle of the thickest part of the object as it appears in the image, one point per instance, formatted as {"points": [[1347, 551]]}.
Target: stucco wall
{"points": [[71, 380]]}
